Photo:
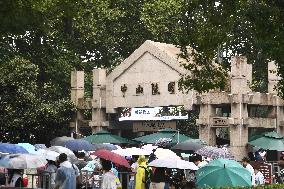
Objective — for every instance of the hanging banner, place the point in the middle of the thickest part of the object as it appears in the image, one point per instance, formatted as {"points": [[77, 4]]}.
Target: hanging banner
{"points": [[155, 113]]}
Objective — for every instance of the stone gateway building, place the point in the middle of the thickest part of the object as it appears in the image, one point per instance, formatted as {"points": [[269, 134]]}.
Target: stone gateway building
{"points": [[141, 95]]}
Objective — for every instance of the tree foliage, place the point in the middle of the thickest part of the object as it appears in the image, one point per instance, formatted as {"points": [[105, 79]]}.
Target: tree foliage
{"points": [[42, 41]]}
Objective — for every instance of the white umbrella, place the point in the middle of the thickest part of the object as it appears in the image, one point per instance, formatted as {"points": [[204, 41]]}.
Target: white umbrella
{"points": [[60, 149], [48, 154], [22, 161], [149, 147], [173, 164], [162, 153], [131, 152]]}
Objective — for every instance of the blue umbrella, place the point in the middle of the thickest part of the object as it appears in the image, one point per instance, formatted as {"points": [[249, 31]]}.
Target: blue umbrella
{"points": [[30, 148], [78, 145], [12, 149]]}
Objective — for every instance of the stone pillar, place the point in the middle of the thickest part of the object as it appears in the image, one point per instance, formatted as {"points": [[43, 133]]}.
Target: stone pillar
{"points": [[77, 92], [241, 75], [77, 86], [239, 131], [207, 134], [99, 116], [272, 77]]}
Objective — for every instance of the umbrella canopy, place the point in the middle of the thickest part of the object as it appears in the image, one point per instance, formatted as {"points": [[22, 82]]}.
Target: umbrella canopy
{"points": [[132, 151], [109, 147], [22, 161], [78, 145], [60, 141], [173, 164], [223, 173], [107, 137], [12, 149], [164, 133], [29, 147], [60, 149], [165, 154], [111, 156], [269, 141], [188, 146], [39, 146], [48, 154], [215, 153]]}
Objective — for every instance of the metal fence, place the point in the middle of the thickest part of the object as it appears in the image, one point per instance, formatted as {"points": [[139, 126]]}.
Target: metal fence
{"points": [[88, 180]]}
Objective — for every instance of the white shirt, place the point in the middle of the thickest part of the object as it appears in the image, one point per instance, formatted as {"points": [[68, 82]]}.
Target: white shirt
{"points": [[109, 181], [134, 168], [259, 178], [251, 170]]}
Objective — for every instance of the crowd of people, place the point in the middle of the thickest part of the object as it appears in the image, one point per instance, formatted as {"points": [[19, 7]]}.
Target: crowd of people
{"points": [[62, 174]]}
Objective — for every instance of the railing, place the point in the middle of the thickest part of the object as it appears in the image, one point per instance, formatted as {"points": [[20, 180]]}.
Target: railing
{"points": [[89, 180]]}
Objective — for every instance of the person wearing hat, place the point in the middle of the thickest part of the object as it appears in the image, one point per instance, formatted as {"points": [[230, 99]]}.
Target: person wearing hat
{"points": [[140, 180]]}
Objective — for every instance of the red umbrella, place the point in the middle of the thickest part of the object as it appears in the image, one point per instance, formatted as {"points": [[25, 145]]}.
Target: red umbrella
{"points": [[111, 156]]}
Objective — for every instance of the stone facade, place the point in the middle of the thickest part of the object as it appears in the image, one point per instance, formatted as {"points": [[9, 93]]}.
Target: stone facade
{"points": [[149, 78]]}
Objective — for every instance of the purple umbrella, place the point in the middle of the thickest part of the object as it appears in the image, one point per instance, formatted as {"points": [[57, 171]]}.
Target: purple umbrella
{"points": [[215, 153], [78, 145]]}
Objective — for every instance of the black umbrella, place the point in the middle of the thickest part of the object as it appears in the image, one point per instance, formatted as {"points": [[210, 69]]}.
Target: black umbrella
{"points": [[60, 141], [188, 146]]}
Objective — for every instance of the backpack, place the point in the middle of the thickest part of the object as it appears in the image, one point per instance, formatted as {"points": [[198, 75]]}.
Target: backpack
{"points": [[147, 180]]}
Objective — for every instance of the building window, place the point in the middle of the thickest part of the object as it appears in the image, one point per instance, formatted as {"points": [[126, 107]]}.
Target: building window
{"points": [[123, 89], [155, 89], [139, 90], [171, 87]]}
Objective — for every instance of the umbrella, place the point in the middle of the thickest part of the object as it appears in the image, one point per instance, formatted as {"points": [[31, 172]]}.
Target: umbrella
{"points": [[78, 145], [173, 164], [107, 137], [111, 156], [269, 141], [48, 154], [12, 149], [165, 154], [22, 161], [149, 147], [164, 133], [223, 173], [109, 147], [39, 146], [30, 148], [59, 141], [132, 151], [215, 153], [187, 146], [61, 149]]}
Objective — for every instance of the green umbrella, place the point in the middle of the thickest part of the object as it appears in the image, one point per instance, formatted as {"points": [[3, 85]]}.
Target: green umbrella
{"points": [[269, 141], [164, 133], [223, 173], [107, 137]]}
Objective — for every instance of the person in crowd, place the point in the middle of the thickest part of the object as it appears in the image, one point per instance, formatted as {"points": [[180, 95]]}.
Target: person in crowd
{"points": [[197, 160], [245, 162], [158, 179], [262, 153], [15, 178], [134, 167], [80, 162], [140, 179], [109, 180], [259, 178], [257, 156], [51, 169], [66, 174]]}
